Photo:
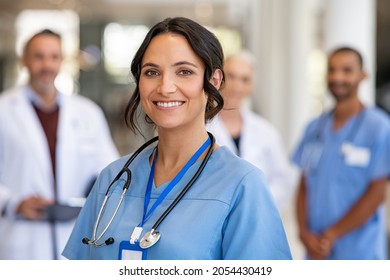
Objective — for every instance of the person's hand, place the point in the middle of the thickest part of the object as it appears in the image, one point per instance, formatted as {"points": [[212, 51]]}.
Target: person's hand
{"points": [[33, 207], [318, 248], [327, 241]]}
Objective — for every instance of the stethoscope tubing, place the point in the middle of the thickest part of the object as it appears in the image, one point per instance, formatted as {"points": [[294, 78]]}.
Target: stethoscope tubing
{"points": [[110, 221], [187, 186], [125, 169]]}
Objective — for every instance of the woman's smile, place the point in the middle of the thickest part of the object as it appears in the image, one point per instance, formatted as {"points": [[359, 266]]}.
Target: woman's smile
{"points": [[168, 104]]}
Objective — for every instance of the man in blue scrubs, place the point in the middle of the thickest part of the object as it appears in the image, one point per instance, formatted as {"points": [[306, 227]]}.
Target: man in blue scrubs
{"points": [[344, 156]]}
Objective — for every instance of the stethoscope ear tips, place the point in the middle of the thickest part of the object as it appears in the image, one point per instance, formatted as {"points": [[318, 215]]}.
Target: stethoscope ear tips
{"points": [[109, 241], [85, 240]]}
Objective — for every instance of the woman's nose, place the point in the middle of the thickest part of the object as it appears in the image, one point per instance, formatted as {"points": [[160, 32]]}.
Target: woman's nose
{"points": [[167, 85]]}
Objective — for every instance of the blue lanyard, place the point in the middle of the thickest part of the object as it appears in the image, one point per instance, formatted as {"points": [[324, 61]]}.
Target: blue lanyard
{"points": [[172, 184]]}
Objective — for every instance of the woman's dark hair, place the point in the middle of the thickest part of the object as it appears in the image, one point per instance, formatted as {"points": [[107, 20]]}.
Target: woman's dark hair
{"points": [[205, 45]]}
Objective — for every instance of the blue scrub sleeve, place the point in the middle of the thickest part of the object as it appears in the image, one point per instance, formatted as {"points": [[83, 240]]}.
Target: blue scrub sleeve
{"points": [[75, 249], [296, 157], [254, 229], [380, 156]]}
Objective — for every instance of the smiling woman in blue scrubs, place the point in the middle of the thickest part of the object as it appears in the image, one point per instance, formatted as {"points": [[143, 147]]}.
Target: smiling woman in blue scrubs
{"points": [[227, 213]]}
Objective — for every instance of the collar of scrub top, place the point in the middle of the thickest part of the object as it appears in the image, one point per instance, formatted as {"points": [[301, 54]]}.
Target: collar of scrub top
{"points": [[356, 125], [36, 100], [147, 214]]}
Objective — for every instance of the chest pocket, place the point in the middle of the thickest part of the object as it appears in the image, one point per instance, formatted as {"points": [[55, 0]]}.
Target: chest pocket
{"points": [[311, 155]]}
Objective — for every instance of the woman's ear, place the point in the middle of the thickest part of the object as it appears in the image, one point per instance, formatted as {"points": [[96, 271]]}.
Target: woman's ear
{"points": [[216, 78]]}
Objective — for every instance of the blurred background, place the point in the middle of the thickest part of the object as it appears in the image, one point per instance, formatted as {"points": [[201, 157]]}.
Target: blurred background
{"points": [[290, 39]]}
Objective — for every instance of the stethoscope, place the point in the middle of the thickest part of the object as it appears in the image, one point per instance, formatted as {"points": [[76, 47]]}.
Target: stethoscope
{"points": [[152, 236]]}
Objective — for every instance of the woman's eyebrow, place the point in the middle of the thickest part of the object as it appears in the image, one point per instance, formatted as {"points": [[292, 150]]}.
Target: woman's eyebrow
{"points": [[149, 64], [183, 62], [179, 63]]}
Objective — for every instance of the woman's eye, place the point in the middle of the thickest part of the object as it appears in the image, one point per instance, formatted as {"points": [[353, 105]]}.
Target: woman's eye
{"points": [[185, 72], [151, 73]]}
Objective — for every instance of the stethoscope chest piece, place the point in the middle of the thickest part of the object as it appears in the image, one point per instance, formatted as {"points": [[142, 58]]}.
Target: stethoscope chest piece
{"points": [[149, 239]]}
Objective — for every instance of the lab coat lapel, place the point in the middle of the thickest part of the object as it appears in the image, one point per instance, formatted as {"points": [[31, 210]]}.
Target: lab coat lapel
{"points": [[63, 149], [27, 119], [68, 157], [246, 145]]}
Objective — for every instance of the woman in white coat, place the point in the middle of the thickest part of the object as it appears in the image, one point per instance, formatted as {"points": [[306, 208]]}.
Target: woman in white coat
{"points": [[249, 135], [34, 172]]}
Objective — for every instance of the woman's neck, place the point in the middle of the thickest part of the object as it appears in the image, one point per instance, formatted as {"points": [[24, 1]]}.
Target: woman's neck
{"points": [[174, 151]]}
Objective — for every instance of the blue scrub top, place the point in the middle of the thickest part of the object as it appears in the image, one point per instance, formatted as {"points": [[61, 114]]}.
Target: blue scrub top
{"points": [[228, 213], [338, 168]]}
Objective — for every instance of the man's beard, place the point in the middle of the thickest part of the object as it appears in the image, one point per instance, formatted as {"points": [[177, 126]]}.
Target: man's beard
{"points": [[345, 94]]}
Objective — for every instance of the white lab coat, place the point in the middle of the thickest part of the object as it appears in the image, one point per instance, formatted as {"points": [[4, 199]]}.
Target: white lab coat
{"points": [[261, 145], [4, 197], [84, 147]]}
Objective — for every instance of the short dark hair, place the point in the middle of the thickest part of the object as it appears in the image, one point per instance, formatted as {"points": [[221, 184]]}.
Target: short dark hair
{"points": [[351, 50], [44, 32], [205, 45]]}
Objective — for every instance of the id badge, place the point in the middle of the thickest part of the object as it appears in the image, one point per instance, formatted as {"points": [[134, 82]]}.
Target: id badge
{"points": [[129, 251], [356, 156]]}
